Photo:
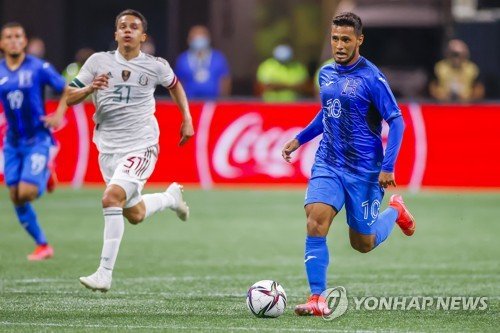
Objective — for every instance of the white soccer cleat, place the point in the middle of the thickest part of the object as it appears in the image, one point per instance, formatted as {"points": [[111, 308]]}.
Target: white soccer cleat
{"points": [[98, 281], [180, 207]]}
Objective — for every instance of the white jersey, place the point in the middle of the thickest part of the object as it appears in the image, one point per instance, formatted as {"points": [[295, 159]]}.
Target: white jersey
{"points": [[124, 117]]}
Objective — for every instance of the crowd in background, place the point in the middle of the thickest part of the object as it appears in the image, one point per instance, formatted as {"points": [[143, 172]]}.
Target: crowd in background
{"points": [[205, 72]]}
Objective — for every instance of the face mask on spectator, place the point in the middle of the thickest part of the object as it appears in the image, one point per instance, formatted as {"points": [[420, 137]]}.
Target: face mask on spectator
{"points": [[283, 53], [199, 43]]}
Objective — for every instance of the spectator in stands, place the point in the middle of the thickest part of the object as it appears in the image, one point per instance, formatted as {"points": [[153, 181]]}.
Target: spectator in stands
{"points": [[202, 70], [72, 69], [281, 78], [456, 77], [36, 47]]}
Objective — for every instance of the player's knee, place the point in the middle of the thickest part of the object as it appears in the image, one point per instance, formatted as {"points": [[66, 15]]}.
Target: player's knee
{"points": [[111, 199], [362, 247], [135, 217], [14, 198], [25, 196], [316, 227]]}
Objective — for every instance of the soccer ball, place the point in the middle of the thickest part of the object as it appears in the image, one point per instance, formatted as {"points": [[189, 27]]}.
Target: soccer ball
{"points": [[266, 299]]}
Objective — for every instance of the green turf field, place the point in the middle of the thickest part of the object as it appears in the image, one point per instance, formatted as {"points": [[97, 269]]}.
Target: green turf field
{"points": [[193, 277]]}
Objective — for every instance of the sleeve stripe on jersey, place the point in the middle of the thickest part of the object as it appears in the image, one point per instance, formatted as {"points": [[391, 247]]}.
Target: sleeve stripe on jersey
{"points": [[174, 82], [76, 83]]}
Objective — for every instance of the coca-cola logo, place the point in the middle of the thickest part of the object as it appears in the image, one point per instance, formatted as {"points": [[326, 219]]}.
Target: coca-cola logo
{"points": [[248, 146], [245, 143], [238, 144]]}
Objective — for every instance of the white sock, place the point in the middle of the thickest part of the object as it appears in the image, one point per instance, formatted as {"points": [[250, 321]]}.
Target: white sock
{"points": [[114, 226], [157, 202]]}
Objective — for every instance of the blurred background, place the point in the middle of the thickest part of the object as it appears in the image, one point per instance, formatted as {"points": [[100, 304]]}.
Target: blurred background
{"points": [[405, 38]]}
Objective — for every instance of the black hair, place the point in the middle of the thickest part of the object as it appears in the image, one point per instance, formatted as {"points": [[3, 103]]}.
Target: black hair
{"points": [[349, 19], [11, 25], [135, 13]]}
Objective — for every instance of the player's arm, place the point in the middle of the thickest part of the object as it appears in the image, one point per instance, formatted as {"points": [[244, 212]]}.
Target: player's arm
{"points": [[385, 102], [54, 119], [311, 131], [77, 91], [179, 96], [49, 76], [396, 130]]}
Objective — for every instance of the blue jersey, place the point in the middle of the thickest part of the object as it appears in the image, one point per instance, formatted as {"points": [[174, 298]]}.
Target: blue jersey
{"points": [[21, 93], [201, 78], [354, 101]]}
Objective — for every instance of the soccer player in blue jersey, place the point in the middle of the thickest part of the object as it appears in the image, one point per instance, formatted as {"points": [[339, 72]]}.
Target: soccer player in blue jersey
{"points": [[350, 167], [28, 138]]}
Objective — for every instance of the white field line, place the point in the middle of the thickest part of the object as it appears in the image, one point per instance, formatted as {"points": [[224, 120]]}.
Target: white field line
{"points": [[190, 278], [176, 327], [78, 291]]}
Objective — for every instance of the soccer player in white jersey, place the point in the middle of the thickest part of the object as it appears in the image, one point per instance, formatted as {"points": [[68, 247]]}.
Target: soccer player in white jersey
{"points": [[122, 84]]}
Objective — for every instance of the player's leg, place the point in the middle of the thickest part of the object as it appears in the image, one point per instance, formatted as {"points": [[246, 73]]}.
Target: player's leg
{"points": [[125, 176], [381, 229], [405, 219], [138, 168], [52, 179], [21, 196], [383, 226], [316, 256], [323, 199], [113, 201], [150, 204], [29, 165], [367, 226]]}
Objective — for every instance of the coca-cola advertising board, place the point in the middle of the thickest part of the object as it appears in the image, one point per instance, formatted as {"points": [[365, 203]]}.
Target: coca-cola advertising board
{"points": [[239, 143]]}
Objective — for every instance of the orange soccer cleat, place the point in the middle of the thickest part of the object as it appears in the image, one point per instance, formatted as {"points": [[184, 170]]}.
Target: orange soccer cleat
{"points": [[405, 220], [315, 306], [41, 252]]}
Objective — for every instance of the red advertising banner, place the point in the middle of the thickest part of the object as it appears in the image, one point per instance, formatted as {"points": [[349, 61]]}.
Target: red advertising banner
{"points": [[240, 143]]}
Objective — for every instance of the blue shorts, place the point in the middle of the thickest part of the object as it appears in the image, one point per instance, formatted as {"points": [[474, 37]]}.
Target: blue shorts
{"points": [[362, 198], [27, 163]]}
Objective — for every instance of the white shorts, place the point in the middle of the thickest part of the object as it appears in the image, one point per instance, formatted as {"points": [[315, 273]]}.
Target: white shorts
{"points": [[130, 171]]}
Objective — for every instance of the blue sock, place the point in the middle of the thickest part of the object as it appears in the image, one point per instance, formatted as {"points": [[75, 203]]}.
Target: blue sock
{"points": [[27, 218], [384, 225], [316, 260]]}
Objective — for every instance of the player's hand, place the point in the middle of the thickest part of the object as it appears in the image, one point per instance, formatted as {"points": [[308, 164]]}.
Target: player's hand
{"points": [[52, 120], [289, 148], [187, 131], [386, 179], [100, 82]]}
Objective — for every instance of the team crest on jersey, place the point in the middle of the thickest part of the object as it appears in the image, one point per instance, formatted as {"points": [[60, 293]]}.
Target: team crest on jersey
{"points": [[143, 79], [125, 75], [25, 79], [350, 87]]}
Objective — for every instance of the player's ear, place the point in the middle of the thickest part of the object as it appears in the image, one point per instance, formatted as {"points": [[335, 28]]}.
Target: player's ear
{"points": [[144, 37], [361, 38]]}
